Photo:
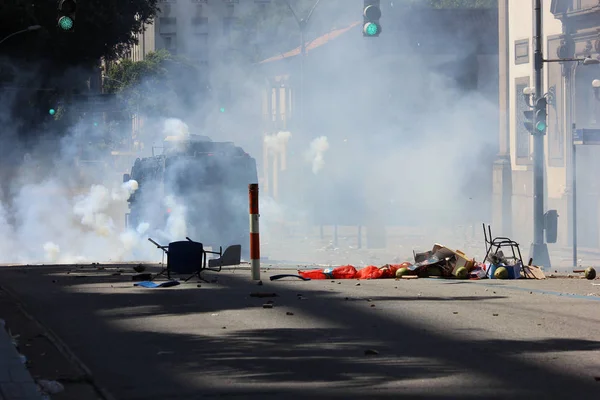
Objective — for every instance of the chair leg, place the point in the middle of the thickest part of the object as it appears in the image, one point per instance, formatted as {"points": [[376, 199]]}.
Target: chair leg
{"points": [[199, 275], [160, 274]]}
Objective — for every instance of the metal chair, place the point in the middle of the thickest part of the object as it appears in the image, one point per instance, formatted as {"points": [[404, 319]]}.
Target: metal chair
{"points": [[231, 256], [494, 245], [183, 257]]}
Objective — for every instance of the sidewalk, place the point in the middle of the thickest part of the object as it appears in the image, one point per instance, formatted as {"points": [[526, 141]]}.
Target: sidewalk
{"points": [[16, 382]]}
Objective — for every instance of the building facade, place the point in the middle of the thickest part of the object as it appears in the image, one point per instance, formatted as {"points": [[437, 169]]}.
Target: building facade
{"points": [[198, 29], [571, 29]]}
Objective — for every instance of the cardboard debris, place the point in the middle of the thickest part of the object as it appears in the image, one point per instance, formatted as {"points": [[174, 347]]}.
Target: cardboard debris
{"points": [[531, 271]]}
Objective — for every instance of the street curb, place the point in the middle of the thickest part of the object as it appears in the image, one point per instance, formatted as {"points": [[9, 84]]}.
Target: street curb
{"points": [[60, 346]]}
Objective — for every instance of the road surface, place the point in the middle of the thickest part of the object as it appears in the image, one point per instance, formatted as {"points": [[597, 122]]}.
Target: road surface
{"points": [[433, 338]]}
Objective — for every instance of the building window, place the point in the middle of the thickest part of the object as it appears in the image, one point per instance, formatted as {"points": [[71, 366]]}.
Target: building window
{"points": [[170, 42], [168, 25], [200, 25], [229, 25], [522, 139], [521, 51]]}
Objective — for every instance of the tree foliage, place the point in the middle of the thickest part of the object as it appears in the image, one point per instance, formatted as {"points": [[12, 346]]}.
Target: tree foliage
{"points": [[158, 85], [103, 28], [62, 62]]}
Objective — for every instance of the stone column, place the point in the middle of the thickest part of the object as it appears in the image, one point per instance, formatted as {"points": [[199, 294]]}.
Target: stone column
{"points": [[502, 175]]}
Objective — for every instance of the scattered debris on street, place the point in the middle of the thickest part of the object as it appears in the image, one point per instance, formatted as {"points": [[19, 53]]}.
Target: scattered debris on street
{"points": [[443, 262]]}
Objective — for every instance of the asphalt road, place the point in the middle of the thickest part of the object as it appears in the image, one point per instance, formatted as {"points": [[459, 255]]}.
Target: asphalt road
{"points": [[434, 338]]}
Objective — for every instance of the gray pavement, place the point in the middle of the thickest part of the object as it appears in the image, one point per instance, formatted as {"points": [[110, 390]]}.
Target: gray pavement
{"points": [[16, 382], [433, 338]]}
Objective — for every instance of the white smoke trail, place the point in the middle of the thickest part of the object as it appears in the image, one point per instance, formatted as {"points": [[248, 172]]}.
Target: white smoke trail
{"points": [[316, 153], [278, 141], [175, 127]]}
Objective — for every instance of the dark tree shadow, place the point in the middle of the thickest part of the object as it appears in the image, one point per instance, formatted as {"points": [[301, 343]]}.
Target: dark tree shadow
{"points": [[169, 344]]}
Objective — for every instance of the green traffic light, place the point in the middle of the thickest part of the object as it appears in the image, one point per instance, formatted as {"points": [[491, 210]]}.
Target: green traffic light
{"points": [[52, 111], [371, 29], [65, 23], [95, 123], [222, 109], [540, 126]]}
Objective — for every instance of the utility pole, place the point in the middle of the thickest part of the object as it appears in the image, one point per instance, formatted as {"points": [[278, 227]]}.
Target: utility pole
{"points": [[302, 24], [539, 249]]}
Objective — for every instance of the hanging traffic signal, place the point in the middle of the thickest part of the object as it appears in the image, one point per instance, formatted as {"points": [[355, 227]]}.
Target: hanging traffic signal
{"points": [[371, 16], [528, 121], [66, 15], [541, 115], [52, 111]]}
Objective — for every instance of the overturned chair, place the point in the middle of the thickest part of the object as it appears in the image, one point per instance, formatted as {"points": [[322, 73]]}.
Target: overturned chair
{"points": [[231, 256], [187, 257]]}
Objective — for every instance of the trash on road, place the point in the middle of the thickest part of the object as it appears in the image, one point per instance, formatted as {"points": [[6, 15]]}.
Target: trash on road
{"points": [[443, 262], [139, 268], [277, 277], [50, 387], [589, 273], [154, 285]]}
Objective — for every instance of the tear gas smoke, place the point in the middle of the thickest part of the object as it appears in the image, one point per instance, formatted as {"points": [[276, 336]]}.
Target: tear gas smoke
{"points": [[391, 138], [316, 153], [278, 141]]}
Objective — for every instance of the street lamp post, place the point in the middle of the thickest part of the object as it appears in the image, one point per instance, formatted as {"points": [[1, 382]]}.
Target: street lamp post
{"points": [[28, 29], [302, 24], [539, 249]]}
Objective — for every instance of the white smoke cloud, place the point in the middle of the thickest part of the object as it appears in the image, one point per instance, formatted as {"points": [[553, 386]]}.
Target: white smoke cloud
{"points": [[316, 153], [52, 251], [176, 225], [55, 216], [278, 141], [175, 127]]}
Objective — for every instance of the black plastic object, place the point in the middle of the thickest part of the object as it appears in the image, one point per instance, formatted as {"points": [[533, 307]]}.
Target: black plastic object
{"points": [[276, 277], [551, 226]]}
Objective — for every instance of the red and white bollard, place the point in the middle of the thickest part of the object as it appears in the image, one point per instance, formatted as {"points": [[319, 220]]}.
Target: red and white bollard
{"points": [[254, 235]]}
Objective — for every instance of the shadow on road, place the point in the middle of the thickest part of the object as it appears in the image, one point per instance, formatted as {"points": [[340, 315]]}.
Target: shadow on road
{"points": [[181, 354]]}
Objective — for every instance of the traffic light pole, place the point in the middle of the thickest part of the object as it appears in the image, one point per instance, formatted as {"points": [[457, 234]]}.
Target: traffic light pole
{"points": [[574, 200], [539, 249], [302, 23]]}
